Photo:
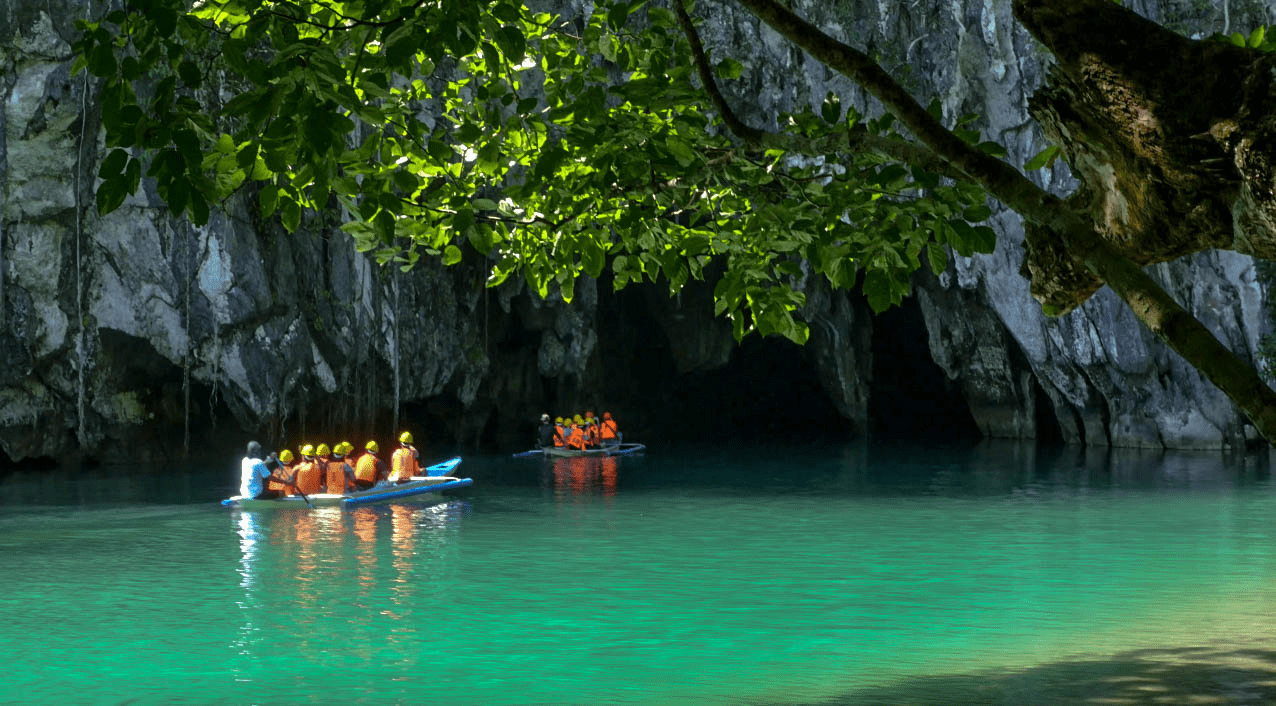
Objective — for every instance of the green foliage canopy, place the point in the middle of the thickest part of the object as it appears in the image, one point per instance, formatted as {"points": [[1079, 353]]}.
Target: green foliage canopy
{"points": [[552, 147]]}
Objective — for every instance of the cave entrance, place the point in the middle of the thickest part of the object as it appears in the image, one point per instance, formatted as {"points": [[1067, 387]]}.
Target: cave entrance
{"points": [[767, 391], [40, 463], [910, 396]]}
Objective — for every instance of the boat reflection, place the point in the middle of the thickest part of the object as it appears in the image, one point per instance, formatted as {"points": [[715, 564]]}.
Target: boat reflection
{"points": [[364, 521], [585, 475]]}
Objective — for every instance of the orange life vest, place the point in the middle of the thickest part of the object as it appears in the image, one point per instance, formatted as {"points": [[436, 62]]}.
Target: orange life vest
{"points": [[284, 471], [560, 439], [366, 468], [403, 465], [609, 431], [308, 477], [576, 438], [591, 435], [335, 477]]}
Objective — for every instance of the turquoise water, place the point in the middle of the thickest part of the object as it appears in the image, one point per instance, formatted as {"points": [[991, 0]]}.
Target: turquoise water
{"points": [[857, 575]]}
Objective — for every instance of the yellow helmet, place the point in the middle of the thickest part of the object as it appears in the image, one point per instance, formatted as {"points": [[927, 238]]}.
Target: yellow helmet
{"points": [[308, 450], [323, 450], [345, 448], [285, 456], [558, 420], [405, 437], [372, 446]]}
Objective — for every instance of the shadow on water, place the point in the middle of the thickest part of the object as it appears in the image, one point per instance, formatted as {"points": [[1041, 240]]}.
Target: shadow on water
{"points": [[1188, 675]]}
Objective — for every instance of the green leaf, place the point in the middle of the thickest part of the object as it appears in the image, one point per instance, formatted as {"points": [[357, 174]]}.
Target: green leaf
{"points": [[1044, 158], [729, 68], [995, 149], [877, 288], [985, 239], [198, 209], [936, 258], [451, 255], [110, 195], [463, 219], [977, 213], [484, 204], [831, 108], [269, 198], [113, 164], [1256, 37], [680, 150], [290, 215], [190, 74]]}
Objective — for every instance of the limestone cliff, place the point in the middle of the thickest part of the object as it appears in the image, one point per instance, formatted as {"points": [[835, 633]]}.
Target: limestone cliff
{"points": [[136, 335]]}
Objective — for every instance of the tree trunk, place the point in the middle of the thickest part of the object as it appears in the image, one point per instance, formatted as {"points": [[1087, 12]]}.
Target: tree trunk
{"points": [[1170, 139]]}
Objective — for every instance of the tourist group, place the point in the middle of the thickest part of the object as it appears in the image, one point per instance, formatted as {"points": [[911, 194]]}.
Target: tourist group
{"points": [[324, 470], [578, 432]]}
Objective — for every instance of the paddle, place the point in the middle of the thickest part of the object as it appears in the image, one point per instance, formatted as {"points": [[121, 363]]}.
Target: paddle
{"points": [[297, 488]]}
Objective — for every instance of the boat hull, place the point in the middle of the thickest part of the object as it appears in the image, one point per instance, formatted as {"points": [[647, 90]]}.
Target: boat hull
{"points": [[560, 452]]}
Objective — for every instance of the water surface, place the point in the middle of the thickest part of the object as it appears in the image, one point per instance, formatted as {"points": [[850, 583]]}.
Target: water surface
{"points": [[858, 575]]}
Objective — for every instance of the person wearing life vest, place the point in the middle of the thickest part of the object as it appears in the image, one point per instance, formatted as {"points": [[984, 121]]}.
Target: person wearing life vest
{"points": [[545, 433], [576, 436], [282, 484], [591, 429], [370, 470], [405, 462], [609, 431], [255, 473], [338, 475], [560, 433], [308, 477]]}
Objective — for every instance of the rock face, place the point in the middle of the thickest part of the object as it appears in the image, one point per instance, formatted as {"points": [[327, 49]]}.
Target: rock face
{"points": [[136, 335]]}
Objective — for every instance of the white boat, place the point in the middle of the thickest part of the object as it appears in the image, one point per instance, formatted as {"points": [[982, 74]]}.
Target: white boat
{"points": [[431, 486]]}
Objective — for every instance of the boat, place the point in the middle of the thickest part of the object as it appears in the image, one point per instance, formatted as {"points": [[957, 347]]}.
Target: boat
{"points": [[434, 484], [564, 452]]}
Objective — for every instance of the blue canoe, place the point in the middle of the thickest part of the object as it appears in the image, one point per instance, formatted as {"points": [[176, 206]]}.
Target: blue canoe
{"points": [[437, 481]]}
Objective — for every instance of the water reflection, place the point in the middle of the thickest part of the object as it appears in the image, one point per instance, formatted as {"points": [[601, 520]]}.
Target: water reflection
{"points": [[364, 521], [585, 475], [250, 537], [997, 467]]}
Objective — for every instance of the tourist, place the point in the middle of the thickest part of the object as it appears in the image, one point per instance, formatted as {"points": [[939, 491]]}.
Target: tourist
{"points": [[405, 462], [283, 479], [591, 429], [308, 476], [338, 475], [576, 436], [560, 433], [545, 434], [609, 432], [370, 469]]}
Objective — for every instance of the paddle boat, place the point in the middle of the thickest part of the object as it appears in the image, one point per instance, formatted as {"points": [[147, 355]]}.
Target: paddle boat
{"points": [[437, 481], [564, 452]]}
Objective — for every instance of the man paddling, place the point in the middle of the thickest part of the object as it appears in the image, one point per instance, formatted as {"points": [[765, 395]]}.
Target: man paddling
{"points": [[254, 472]]}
